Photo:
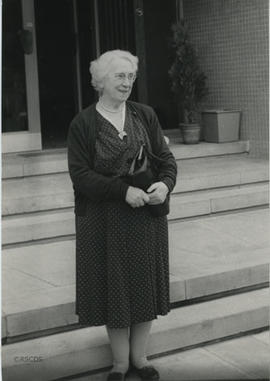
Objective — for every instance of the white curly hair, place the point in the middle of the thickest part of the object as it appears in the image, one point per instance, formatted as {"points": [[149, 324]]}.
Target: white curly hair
{"points": [[100, 67]]}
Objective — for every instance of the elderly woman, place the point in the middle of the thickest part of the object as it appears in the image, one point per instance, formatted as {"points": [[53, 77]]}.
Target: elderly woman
{"points": [[122, 272]]}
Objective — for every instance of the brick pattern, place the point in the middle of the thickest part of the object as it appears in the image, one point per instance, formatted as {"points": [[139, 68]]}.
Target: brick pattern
{"points": [[231, 37]]}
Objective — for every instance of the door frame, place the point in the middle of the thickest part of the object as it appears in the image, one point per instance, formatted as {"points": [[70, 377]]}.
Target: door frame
{"points": [[31, 139]]}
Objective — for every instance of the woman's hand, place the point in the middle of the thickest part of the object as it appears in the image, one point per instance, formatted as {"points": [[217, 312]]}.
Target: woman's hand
{"points": [[157, 193], [136, 197]]}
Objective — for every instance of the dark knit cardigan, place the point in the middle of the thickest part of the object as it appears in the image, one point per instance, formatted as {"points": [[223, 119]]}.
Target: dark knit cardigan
{"points": [[88, 184]]}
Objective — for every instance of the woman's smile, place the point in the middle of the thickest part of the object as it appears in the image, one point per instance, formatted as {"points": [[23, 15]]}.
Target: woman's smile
{"points": [[124, 91]]}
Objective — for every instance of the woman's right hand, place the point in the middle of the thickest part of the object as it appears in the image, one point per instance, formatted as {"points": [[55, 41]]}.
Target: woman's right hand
{"points": [[136, 197]]}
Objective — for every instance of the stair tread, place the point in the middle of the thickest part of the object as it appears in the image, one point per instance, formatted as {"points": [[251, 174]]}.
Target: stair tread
{"points": [[48, 154], [206, 167], [180, 198], [185, 316], [210, 165], [221, 192], [199, 251], [59, 296], [217, 308], [75, 352], [50, 161], [209, 172], [184, 151], [36, 218]]}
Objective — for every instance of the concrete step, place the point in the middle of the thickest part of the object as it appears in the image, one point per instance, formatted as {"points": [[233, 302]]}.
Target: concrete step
{"points": [[229, 359], [220, 171], [52, 307], [57, 223], [55, 190], [55, 160], [73, 352], [35, 226], [207, 257], [218, 200], [34, 163]]}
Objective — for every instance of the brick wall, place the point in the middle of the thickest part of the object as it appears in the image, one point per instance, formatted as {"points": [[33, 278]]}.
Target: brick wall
{"points": [[231, 37]]}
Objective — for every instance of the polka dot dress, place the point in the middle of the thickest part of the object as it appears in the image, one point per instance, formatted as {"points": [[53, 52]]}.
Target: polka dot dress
{"points": [[122, 270]]}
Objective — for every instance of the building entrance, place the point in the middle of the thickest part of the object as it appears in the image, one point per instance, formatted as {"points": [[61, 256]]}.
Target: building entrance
{"points": [[47, 48]]}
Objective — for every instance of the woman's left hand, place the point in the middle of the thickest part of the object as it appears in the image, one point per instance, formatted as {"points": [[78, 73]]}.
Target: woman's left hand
{"points": [[157, 193]]}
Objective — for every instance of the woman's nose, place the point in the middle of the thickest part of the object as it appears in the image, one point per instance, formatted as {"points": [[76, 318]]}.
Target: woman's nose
{"points": [[126, 82]]}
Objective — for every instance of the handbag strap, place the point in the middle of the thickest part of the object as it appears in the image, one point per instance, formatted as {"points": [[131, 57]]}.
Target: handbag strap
{"points": [[144, 122], [141, 152], [154, 157]]}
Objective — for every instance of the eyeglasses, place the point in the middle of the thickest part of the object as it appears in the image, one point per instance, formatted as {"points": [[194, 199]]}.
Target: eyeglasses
{"points": [[121, 77]]}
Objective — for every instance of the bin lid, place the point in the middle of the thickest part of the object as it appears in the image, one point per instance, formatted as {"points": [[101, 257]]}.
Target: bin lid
{"points": [[218, 111]]}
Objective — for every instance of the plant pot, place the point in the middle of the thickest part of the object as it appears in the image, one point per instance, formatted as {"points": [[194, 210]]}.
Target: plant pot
{"points": [[221, 125], [190, 132]]}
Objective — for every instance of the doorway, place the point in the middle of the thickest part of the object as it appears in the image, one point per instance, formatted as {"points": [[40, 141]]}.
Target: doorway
{"points": [[20, 106], [158, 19], [63, 30], [14, 106]]}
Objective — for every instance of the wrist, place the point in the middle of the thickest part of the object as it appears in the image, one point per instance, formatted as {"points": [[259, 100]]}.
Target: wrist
{"points": [[125, 190], [167, 182], [165, 187]]}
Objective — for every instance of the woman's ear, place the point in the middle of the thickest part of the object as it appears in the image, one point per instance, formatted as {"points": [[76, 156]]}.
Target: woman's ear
{"points": [[101, 88]]}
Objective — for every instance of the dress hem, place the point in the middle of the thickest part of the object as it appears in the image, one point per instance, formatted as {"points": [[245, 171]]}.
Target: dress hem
{"points": [[123, 326]]}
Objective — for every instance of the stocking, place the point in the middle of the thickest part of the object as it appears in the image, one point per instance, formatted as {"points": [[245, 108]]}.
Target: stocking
{"points": [[139, 335], [119, 340]]}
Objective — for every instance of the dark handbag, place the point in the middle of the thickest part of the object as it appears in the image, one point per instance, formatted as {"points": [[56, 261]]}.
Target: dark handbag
{"points": [[142, 173]]}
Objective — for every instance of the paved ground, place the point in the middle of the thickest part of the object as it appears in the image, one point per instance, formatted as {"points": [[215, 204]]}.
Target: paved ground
{"points": [[244, 358]]}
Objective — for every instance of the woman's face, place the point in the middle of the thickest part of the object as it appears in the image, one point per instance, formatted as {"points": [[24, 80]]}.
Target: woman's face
{"points": [[119, 81]]}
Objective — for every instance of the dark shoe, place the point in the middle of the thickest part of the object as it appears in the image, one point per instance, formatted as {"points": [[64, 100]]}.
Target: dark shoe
{"points": [[130, 368], [116, 376], [147, 373]]}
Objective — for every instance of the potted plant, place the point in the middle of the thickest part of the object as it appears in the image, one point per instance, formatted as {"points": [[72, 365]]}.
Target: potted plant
{"points": [[188, 82]]}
